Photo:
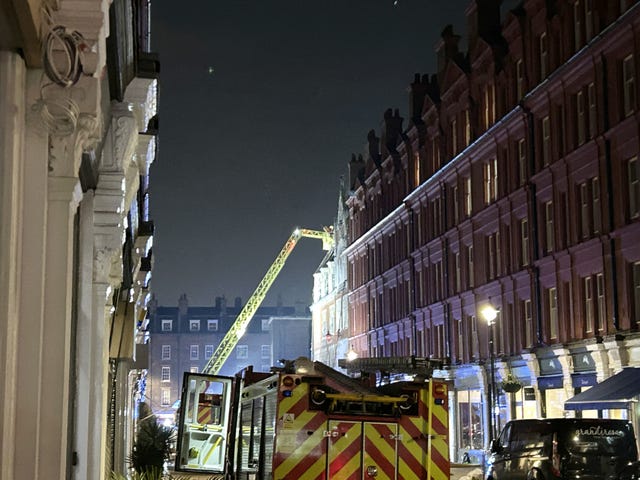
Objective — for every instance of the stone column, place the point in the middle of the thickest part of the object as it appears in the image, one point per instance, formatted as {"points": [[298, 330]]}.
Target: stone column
{"points": [[12, 113]]}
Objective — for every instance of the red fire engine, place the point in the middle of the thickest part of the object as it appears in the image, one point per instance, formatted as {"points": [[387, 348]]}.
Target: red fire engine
{"points": [[311, 422]]}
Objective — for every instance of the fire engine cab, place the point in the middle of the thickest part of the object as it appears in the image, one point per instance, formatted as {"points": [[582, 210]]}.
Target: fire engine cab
{"points": [[312, 422]]}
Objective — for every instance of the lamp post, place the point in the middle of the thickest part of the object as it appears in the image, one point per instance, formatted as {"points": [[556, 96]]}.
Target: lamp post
{"points": [[490, 314]]}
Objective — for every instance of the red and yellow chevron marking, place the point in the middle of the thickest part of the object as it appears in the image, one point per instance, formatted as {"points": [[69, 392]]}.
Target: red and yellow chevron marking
{"points": [[300, 447], [380, 450], [412, 448], [204, 414], [345, 450], [438, 428]]}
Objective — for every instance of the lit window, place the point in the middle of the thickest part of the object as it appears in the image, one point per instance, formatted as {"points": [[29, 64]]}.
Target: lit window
{"points": [[456, 205], [522, 162], [194, 352], [166, 352], [167, 325], [602, 306], [165, 398], [468, 204], [193, 369], [588, 304], [416, 169], [212, 325], [629, 88], [490, 181], [194, 325], [435, 154], [166, 373], [208, 351], [528, 322], [553, 312], [242, 352], [467, 128]]}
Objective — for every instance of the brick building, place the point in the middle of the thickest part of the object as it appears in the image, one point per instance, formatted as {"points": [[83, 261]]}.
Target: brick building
{"points": [[515, 184]]}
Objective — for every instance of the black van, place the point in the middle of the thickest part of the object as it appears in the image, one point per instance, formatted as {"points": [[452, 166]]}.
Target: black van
{"points": [[562, 448]]}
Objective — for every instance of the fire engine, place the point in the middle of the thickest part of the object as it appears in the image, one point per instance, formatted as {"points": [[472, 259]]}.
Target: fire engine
{"points": [[308, 421]]}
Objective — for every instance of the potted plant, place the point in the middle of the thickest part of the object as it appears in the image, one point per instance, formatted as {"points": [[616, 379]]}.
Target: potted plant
{"points": [[511, 384]]}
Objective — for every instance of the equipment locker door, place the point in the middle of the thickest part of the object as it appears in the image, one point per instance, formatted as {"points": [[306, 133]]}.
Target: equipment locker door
{"points": [[362, 450], [380, 452]]}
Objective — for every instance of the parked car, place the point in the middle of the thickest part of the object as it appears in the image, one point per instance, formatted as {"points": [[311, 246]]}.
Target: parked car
{"points": [[566, 448]]}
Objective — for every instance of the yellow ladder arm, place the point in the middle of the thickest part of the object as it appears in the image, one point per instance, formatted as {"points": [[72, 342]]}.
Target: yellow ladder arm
{"points": [[238, 328]]}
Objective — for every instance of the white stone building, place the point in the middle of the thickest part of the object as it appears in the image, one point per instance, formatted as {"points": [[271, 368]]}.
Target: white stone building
{"points": [[77, 137]]}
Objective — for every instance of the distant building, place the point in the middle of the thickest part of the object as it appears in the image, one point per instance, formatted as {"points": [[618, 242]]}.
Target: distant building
{"points": [[184, 338]]}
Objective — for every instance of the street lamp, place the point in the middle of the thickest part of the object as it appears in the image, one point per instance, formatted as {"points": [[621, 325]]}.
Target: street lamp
{"points": [[490, 314]]}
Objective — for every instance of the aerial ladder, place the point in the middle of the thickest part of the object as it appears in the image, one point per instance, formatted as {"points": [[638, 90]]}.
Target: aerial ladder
{"points": [[239, 327]]}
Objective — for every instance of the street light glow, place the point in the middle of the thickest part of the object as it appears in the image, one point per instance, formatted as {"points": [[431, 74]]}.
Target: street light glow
{"points": [[489, 313]]}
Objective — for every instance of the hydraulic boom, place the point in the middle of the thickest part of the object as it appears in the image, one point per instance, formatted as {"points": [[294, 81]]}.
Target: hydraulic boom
{"points": [[238, 328]]}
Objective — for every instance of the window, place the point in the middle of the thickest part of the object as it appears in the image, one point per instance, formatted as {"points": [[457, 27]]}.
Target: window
{"points": [[265, 351], [468, 204], [166, 373], [634, 188], [435, 154], [524, 238], [577, 24], [166, 352], [167, 325], [597, 214], [588, 19], [553, 312], [636, 291], [165, 398], [593, 112], [580, 117], [528, 323], [489, 105], [493, 255], [475, 347], [193, 369], [212, 325], [461, 342], [467, 128], [519, 78], [194, 325], [454, 136], [585, 218], [208, 351], [490, 181], [548, 208], [266, 324], [458, 272], [544, 57], [629, 86], [470, 266], [588, 305], [194, 352], [600, 298], [242, 352], [416, 169], [456, 205], [546, 141], [522, 163]]}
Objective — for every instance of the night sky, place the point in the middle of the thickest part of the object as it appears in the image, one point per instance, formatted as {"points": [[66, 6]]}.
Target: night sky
{"points": [[262, 103]]}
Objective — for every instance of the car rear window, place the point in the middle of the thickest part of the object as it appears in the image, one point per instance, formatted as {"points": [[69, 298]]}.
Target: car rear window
{"points": [[597, 439]]}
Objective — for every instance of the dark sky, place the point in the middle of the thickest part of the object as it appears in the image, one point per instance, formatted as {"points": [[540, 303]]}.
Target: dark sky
{"points": [[262, 103]]}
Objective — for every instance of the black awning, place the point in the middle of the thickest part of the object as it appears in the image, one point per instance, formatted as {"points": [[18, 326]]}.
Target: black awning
{"points": [[616, 391]]}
